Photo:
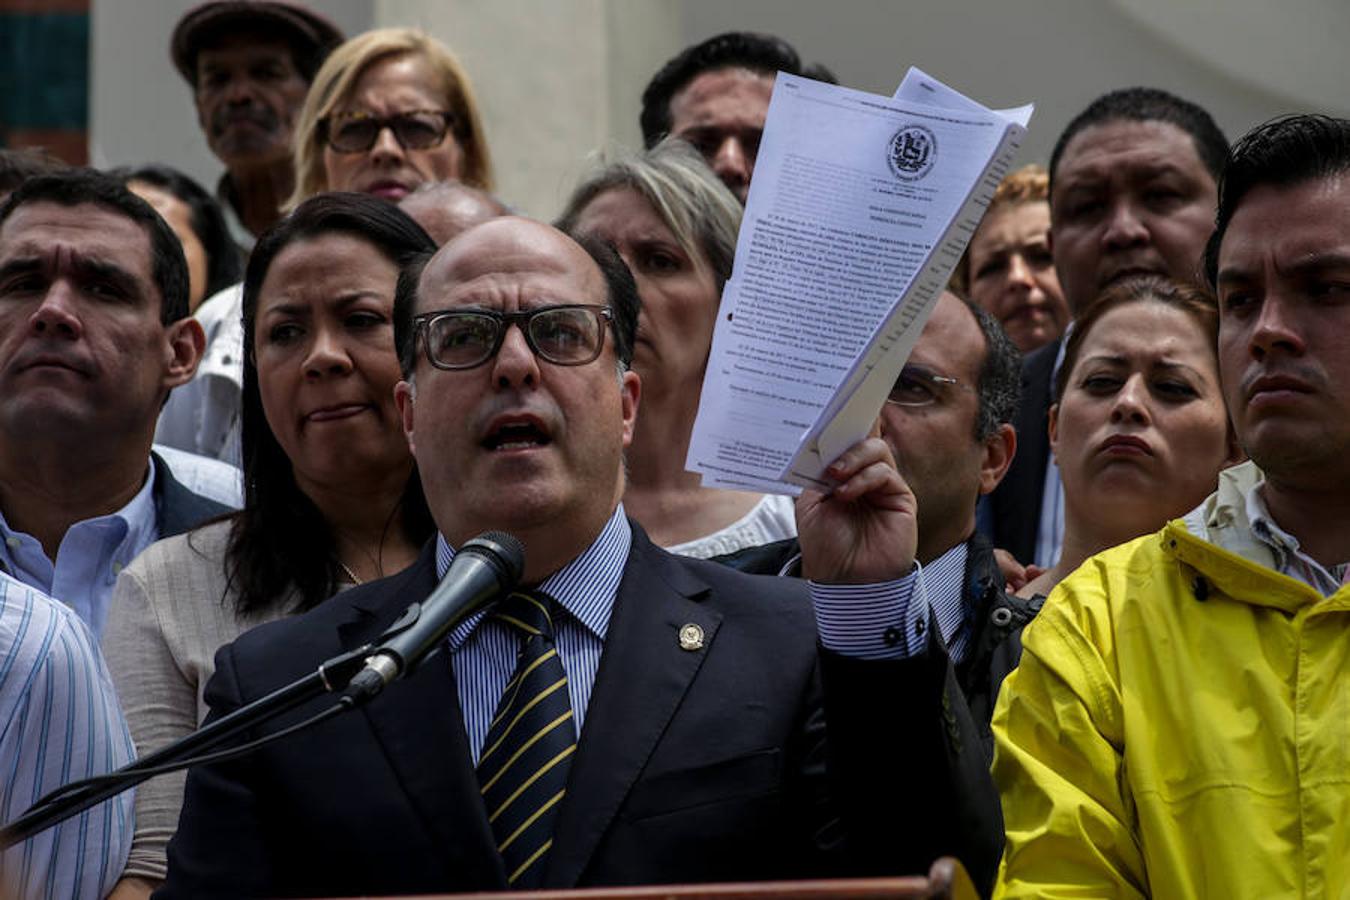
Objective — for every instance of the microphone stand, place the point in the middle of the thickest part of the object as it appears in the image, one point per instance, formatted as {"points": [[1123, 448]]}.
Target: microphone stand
{"points": [[495, 561], [331, 676]]}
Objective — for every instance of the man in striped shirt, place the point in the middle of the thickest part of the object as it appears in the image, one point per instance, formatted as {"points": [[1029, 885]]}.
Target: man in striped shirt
{"points": [[61, 722]]}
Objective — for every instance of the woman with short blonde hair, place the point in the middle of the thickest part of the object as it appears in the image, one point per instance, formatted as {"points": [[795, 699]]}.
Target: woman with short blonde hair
{"points": [[333, 112]]}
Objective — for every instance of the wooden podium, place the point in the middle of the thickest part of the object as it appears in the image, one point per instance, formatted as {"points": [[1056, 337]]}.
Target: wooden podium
{"points": [[946, 879]]}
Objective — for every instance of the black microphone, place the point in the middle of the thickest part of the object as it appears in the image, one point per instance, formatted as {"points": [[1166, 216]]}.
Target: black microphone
{"points": [[483, 569]]}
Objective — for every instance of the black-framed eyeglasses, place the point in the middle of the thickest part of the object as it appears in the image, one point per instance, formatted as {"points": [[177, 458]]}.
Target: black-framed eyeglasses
{"points": [[920, 386], [418, 129], [565, 335]]}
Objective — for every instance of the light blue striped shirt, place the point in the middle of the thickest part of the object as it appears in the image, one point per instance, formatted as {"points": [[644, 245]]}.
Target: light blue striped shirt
{"points": [[483, 651], [61, 722]]}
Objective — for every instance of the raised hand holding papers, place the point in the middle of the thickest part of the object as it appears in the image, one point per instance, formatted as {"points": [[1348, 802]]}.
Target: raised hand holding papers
{"points": [[859, 208]]}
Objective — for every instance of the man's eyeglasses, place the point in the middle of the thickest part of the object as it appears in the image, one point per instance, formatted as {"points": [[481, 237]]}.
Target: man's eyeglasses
{"points": [[357, 132], [570, 335], [918, 386]]}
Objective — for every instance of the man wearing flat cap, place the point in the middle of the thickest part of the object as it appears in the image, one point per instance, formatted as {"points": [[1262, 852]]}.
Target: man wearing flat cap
{"points": [[250, 63]]}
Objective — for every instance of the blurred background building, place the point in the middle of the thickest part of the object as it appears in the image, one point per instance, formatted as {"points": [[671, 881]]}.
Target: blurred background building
{"points": [[559, 78]]}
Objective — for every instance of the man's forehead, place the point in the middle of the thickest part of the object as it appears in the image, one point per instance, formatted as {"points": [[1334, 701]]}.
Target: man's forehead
{"points": [[951, 337], [1300, 226], [1101, 149], [513, 254], [738, 87], [41, 228]]}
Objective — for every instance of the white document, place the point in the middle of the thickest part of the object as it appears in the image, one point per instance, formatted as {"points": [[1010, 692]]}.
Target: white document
{"points": [[859, 208]]}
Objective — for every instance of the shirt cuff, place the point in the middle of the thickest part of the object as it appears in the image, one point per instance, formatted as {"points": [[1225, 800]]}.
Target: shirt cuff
{"points": [[887, 620]]}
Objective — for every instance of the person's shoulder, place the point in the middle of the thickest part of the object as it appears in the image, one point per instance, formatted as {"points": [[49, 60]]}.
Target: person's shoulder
{"points": [[1134, 582], [36, 630], [206, 544], [369, 608], [200, 477], [179, 568], [731, 589]]}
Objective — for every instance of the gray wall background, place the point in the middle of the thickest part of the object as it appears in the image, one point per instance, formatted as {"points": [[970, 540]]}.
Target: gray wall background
{"points": [[559, 79]]}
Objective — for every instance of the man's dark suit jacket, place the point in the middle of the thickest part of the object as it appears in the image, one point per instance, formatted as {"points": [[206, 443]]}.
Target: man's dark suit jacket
{"points": [[1014, 507], [995, 619], [693, 765], [177, 509]]}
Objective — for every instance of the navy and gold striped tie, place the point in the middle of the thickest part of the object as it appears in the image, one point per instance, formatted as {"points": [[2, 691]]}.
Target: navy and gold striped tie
{"points": [[528, 751]]}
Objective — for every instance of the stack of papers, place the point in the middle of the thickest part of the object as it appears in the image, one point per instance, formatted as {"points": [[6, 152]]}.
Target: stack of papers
{"points": [[859, 208]]}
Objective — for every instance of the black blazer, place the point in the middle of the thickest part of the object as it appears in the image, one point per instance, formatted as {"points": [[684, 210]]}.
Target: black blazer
{"points": [[692, 765], [995, 619], [1015, 505], [178, 509]]}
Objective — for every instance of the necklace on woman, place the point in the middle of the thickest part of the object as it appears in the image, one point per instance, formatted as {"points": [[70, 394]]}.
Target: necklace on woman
{"points": [[348, 572]]}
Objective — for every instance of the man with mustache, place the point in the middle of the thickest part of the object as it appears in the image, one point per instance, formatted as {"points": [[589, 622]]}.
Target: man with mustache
{"points": [[94, 332], [250, 63], [681, 704], [1132, 191], [1177, 726]]}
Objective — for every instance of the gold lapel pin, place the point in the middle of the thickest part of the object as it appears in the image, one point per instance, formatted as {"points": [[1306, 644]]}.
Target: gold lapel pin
{"points": [[691, 637]]}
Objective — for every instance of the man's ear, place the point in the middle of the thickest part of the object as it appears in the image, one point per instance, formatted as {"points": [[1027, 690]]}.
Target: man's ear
{"points": [[999, 450], [404, 395], [630, 392], [185, 342]]}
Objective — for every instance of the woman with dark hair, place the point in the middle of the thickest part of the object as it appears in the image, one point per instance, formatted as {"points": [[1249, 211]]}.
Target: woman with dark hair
{"points": [[214, 262], [331, 496], [1140, 428]]}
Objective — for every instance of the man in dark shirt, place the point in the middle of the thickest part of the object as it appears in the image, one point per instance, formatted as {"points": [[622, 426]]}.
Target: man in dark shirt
{"points": [[250, 65]]}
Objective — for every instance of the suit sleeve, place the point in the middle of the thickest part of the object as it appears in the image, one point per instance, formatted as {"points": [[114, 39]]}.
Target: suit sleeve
{"points": [[219, 849], [907, 770], [1059, 742]]}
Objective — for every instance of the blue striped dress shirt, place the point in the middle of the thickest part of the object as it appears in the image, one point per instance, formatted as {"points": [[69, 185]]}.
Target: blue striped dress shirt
{"points": [[61, 722], [483, 650], [891, 620]]}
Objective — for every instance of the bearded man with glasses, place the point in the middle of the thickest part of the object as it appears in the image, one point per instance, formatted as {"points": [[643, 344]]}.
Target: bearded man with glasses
{"points": [[684, 737]]}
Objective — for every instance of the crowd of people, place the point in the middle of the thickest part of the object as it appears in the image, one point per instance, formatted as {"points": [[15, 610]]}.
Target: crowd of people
{"points": [[1073, 614]]}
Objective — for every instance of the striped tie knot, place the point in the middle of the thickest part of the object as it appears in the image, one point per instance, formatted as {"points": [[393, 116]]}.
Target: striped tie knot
{"points": [[528, 752], [529, 613]]}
